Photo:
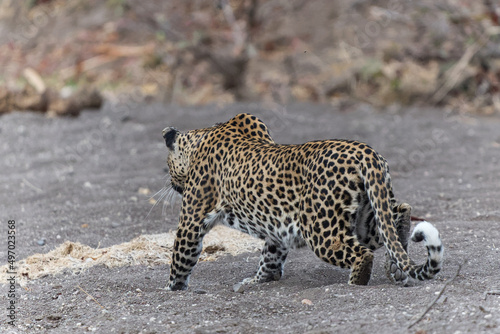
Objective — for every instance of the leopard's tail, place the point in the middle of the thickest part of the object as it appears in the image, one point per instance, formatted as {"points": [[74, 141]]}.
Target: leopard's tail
{"points": [[379, 190], [426, 232]]}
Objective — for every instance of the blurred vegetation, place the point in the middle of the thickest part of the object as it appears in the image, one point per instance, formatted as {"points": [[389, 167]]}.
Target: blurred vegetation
{"points": [[386, 53]]}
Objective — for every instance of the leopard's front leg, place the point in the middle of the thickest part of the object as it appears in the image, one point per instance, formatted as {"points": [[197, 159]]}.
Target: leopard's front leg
{"points": [[187, 249], [188, 242]]}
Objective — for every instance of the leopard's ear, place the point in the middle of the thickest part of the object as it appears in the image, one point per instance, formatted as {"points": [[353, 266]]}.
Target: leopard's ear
{"points": [[169, 134]]}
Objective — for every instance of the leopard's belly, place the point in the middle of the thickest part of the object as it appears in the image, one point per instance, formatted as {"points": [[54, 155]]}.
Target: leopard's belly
{"points": [[284, 231]]}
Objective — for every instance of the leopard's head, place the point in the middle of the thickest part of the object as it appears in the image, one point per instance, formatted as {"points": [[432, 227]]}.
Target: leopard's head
{"points": [[180, 145]]}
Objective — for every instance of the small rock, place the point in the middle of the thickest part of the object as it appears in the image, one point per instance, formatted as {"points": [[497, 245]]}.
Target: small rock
{"points": [[41, 242], [66, 92], [125, 118], [306, 302], [200, 292], [54, 317], [144, 191], [115, 224], [239, 287]]}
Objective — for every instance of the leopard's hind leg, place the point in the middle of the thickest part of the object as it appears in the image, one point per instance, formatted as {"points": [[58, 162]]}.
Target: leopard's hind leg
{"points": [[361, 269], [347, 254], [271, 264], [402, 219], [326, 228]]}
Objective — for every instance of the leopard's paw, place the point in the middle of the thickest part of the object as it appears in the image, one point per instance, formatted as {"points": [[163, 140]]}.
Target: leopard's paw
{"points": [[177, 285], [395, 273]]}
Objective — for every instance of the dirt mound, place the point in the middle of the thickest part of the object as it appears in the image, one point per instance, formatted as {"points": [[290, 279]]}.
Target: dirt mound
{"points": [[144, 250]]}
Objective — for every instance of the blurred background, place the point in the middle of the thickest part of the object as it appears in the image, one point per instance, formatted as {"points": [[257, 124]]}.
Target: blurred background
{"points": [[62, 56]]}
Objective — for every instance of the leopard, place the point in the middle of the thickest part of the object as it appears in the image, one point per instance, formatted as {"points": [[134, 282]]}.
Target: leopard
{"points": [[334, 196]]}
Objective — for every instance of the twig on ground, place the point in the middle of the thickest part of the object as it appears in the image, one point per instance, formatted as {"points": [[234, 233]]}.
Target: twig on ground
{"points": [[29, 184], [35, 80], [79, 287], [491, 292], [437, 297], [456, 74], [86, 65]]}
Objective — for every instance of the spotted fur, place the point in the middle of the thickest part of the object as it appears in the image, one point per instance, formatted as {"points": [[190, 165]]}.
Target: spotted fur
{"points": [[334, 196]]}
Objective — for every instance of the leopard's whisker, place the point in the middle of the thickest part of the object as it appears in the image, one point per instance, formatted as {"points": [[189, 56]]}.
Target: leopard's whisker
{"points": [[158, 192], [163, 210], [163, 192], [171, 198], [168, 199]]}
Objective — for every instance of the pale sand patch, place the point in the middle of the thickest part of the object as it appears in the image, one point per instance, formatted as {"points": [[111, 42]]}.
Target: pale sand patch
{"points": [[151, 250]]}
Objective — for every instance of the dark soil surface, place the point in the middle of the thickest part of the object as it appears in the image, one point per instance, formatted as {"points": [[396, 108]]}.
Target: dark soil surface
{"points": [[78, 179]]}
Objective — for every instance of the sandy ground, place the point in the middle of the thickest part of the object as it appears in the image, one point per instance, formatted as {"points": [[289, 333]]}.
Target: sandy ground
{"points": [[84, 180]]}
